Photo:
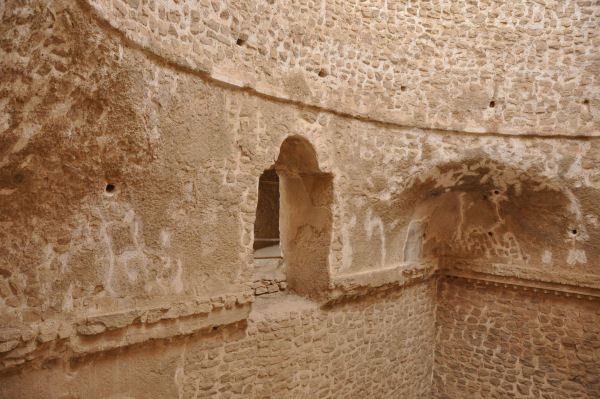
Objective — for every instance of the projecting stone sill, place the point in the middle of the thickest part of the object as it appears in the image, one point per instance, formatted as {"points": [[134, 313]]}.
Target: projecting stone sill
{"points": [[274, 306], [37, 342], [519, 277], [138, 333], [117, 325], [366, 282]]}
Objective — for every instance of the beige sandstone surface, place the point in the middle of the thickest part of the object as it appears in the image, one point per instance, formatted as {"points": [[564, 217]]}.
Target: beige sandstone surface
{"points": [[432, 185]]}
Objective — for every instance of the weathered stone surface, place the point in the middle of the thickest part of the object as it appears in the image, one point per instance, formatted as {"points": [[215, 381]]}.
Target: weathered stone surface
{"points": [[91, 329], [48, 331], [471, 67], [8, 345], [116, 320], [287, 348], [493, 342], [411, 142], [161, 233], [9, 334]]}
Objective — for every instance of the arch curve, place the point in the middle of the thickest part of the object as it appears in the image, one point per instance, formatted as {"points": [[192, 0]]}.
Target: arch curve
{"points": [[481, 215]]}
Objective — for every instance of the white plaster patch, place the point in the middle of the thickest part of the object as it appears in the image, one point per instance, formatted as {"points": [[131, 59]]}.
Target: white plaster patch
{"points": [[177, 283], [27, 131], [547, 257], [154, 134], [576, 256], [67, 304], [26, 162], [4, 125], [574, 205], [129, 216], [366, 154], [165, 238], [64, 261], [347, 247], [592, 219], [132, 274], [110, 255], [49, 256], [179, 377], [371, 223]]}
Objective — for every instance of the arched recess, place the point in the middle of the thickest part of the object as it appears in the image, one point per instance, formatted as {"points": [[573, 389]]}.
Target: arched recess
{"points": [[485, 216], [305, 216]]}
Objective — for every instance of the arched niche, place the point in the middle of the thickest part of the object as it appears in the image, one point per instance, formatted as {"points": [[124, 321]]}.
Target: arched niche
{"points": [[305, 196], [484, 215]]}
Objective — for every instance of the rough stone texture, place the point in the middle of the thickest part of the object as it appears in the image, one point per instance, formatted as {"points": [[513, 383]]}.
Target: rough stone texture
{"points": [[512, 66], [180, 220], [288, 348], [130, 157], [494, 342]]}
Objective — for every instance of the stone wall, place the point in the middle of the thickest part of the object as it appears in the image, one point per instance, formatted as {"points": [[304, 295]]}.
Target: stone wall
{"points": [[86, 110], [129, 170], [486, 66], [379, 346], [498, 341]]}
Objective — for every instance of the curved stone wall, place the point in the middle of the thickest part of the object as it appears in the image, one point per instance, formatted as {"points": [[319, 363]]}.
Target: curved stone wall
{"points": [[516, 67], [129, 177], [184, 156]]}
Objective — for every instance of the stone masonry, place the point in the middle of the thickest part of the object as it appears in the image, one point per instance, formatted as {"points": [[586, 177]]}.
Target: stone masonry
{"points": [[430, 207], [286, 349], [506, 342]]}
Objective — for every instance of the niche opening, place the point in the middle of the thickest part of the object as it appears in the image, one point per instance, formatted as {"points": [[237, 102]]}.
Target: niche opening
{"points": [[266, 226], [292, 230]]}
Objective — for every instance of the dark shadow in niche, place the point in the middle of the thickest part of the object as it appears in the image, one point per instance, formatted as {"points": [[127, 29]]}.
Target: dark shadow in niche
{"points": [[266, 227], [490, 217], [268, 261]]}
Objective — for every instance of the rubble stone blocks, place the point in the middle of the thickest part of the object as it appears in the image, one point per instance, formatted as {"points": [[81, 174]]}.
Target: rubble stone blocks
{"points": [[433, 204]]}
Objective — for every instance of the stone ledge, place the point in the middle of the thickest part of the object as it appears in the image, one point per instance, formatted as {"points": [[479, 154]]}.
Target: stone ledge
{"points": [[586, 284], [366, 282], [32, 344], [27, 344], [137, 333], [526, 285]]}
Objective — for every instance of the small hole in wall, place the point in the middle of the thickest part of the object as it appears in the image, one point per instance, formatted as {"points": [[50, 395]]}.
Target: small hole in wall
{"points": [[240, 42], [586, 101], [574, 231], [18, 178], [492, 104], [490, 233], [110, 188], [402, 88], [215, 328], [496, 192], [322, 73]]}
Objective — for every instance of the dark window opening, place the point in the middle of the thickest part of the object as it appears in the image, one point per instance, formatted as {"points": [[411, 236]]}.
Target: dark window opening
{"points": [[266, 227]]}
